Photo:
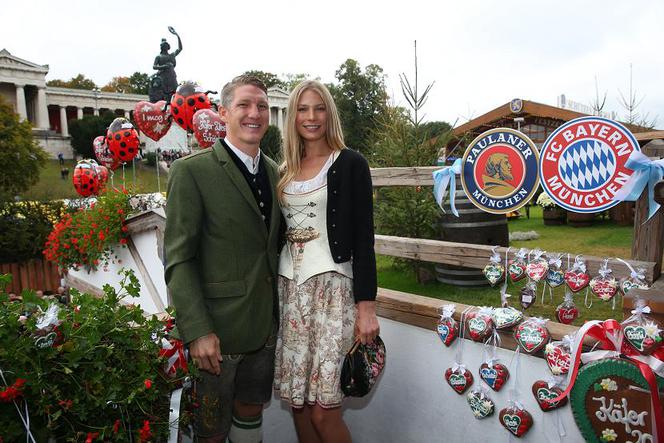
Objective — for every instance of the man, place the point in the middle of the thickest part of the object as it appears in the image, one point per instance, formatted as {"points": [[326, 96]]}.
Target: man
{"points": [[221, 263], [498, 172]]}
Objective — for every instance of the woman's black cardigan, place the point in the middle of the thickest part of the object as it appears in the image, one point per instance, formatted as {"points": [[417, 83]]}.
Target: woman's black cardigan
{"points": [[350, 227]]}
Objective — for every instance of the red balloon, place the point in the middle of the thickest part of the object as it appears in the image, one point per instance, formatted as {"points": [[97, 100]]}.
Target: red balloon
{"points": [[122, 140], [102, 175], [102, 153], [152, 118], [85, 179], [188, 98], [208, 127]]}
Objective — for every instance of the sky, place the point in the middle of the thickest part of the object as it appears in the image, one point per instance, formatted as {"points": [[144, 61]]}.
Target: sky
{"points": [[480, 54]]}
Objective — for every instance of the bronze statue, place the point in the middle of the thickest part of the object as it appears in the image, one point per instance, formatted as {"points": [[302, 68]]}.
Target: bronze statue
{"points": [[164, 83]]}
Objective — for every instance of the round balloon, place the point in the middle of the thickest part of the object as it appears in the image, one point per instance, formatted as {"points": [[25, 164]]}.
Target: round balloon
{"points": [[188, 98], [153, 119], [208, 127], [122, 140], [102, 153], [85, 179]]}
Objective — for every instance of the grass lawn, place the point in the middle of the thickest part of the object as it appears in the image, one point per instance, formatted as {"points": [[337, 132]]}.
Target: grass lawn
{"points": [[603, 239], [51, 186]]}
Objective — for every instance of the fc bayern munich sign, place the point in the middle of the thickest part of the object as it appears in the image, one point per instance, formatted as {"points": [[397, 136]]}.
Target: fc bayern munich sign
{"points": [[499, 170], [582, 163]]}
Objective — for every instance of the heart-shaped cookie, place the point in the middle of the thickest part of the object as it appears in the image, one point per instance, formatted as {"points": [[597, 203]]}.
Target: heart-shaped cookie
{"points": [[448, 329], [645, 337], [567, 313], [506, 317], [627, 284], [576, 280], [543, 392], [558, 357], [516, 420], [527, 296], [537, 269], [459, 380], [481, 405], [604, 287], [494, 375], [479, 325], [494, 273], [531, 336], [516, 270], [555, 277]]}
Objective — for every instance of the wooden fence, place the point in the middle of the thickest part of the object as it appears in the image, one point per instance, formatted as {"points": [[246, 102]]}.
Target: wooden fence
{"points": [[36, 274]]}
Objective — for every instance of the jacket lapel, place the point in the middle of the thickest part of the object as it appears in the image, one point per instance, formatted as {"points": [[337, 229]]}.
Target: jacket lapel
{"points": [[236, 176]]}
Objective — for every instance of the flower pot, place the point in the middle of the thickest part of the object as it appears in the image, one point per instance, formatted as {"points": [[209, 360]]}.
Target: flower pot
{"points": [[580, 220], [554, 216]]}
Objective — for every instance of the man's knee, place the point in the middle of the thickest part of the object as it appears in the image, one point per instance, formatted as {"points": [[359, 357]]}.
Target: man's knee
{"points": [[241, 409]]}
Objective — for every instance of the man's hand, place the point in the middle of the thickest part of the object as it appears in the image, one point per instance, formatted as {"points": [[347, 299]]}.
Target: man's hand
{"points": [[366, 322], [206, 353]]}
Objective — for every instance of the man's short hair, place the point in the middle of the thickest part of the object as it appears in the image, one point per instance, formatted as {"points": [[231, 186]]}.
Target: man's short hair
{"points": [[241, 80]]}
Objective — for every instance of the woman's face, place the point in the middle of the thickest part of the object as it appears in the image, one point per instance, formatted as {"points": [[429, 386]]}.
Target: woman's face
{"points": [[311, 118]]}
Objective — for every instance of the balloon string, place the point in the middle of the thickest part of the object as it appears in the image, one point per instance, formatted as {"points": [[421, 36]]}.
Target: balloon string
{"points": [[586, 301]]}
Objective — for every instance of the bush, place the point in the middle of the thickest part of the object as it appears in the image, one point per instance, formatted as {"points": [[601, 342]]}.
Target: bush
{"points": [[84, 131], [271, 143], [24, 228], [92, 370], [150, 158]]}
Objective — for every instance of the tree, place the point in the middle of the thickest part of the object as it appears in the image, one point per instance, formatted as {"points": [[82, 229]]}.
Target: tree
{"points": [[20, 156], [84, 131], [118, 84], [631, 104], [292, 80], [271, 143], [268, 78], [140, 83], [361, 100], [78, 82]]}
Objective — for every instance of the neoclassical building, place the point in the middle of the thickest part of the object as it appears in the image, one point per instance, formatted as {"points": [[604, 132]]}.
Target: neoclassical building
{"points": [[49, 109]]}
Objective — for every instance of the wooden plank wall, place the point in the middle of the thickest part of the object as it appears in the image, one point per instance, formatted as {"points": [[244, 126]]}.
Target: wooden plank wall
{"points": [[33, 274]]}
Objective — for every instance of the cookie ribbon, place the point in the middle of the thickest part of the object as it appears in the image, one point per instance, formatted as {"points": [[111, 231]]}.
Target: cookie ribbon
{"points": [[441, 179], [646, 172], [174, 352], [609, 335]]}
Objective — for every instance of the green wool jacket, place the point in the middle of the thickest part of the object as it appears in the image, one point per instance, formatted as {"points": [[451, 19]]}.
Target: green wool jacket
{"points": [[221, 261]]}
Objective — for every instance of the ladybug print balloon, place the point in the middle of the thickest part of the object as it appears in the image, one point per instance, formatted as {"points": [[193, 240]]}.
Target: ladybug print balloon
{"points": [[102, 175], [188, 98], [85, 179], [122, 140]]}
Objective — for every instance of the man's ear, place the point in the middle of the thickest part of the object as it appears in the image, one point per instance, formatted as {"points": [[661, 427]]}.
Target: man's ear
{"points": [[223, 114]]}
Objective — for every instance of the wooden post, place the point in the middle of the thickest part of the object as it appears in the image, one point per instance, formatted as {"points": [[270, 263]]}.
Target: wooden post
{"points": [[648, 242]]}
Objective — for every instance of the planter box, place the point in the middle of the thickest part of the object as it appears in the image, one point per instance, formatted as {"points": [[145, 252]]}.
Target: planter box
{"points": [[554, 216]]}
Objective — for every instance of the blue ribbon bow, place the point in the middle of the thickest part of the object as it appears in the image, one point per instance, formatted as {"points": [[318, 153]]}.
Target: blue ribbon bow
{"points": [[646, 172], [442, 178]]}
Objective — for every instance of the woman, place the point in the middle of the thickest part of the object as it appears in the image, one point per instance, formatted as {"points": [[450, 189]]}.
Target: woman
{"points": [[327, 283]]}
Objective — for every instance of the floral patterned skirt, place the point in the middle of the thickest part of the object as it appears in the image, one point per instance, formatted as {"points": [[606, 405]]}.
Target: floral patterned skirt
{"points": [[316, 331]]}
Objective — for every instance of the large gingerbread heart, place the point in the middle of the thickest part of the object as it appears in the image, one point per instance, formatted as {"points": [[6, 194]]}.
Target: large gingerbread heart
{"points": [[558, 357], [537, 269], [543, 393], [645, 337], [531, 336], [567, 313], [604, 287], [516, 420], [459, 380], [152, 119], [479, 325], [481, 405], [494, 273], [555, 277], [448, 329], [576, 280], [494, 375], [516, 270], [506, 317]]}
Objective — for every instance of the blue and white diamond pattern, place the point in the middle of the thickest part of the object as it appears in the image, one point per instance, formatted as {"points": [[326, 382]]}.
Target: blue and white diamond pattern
{"points": [[587, 165]]}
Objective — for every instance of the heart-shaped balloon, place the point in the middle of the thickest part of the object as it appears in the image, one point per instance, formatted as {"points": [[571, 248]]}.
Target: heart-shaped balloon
{"points": [[208, 127], [558, 357], [459, 379], [537, 269], [153, 119], [448, 329], [102, 175], [516, 420], [480, 403], [104, 156], [576, 280], [479, 325], [604, 287], [494, 375], [531, 336], [543, 393]]}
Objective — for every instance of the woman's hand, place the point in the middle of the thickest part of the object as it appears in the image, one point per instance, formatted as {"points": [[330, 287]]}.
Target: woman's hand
{"points": [[366, 322]]}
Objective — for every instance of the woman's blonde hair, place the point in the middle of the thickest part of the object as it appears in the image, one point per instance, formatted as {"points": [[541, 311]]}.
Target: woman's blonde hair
{"points": [[293, 148]]}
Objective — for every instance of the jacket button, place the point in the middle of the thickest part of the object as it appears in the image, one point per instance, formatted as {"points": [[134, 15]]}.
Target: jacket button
{"points": [[338, 257], [334, 171], [336, 242], [334, 192], [334, 225], [334, 210]]}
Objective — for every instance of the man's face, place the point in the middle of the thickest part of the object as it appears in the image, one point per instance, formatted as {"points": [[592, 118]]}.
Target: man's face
{"points": [[247, 117]]}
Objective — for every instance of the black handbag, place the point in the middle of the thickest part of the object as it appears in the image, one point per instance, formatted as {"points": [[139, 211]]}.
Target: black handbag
{"points": [[362, 367]]}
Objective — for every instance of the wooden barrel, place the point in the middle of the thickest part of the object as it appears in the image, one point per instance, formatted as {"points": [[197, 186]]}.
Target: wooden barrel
{"points": [[472, 226]]}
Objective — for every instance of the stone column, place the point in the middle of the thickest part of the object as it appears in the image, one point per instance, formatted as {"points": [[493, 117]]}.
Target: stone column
{"points": [[269, 115], [64, 130], [97, 112], [79, 113], [280, 119], [21, 109], [127, 116], [42, 109]]}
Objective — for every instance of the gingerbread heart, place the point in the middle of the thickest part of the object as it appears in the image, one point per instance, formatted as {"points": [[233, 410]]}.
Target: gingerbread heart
{"points": [[604, 287], [531, 336], [481, 405], [576, 280], [506, 317], [543, 394], [494, 375], [567, 314], [494, 273], [479, 325], [516, 420], [448, 329], [516, 270], [537, 269], [555, 277], [627, 284], [459, 379], [558, 357], [644, 337], [527, 296]]}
